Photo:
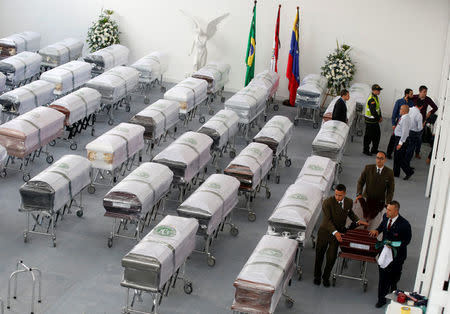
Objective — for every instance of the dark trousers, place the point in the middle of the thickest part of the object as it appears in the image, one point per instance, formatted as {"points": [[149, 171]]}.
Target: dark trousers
{"points": [[372, 136], [401, 159], [414, 142], [388, 278], [391, 146], [326, 243]]}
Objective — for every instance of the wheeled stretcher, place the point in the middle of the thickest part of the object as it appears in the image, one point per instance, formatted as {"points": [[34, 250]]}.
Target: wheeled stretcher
{"points": [[251, 168], [319, 171], [158, 260], [211, 204], [60, 53], [26, 137], [277, 134], [264, 278], [136, 199], [151, 70], [187, 156], [115, 86], [21, 69], [190, 94], [311, 94], [79, 108], [159, 120], [114, 152], [68, 77], [360, 93], [48, 195], [17, 43], [107, 58], [25, 98]]}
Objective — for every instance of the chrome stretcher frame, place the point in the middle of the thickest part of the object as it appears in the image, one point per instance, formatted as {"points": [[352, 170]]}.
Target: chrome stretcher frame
{"points": [[250, 195], [145, 85]]}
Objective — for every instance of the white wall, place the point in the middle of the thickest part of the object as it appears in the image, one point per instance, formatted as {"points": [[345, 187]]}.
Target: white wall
{"points": [[396, 43]]}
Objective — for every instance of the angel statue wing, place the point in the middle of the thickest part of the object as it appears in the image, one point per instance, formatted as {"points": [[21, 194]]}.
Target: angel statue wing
{"points": [[211, 28], [195, 22]]}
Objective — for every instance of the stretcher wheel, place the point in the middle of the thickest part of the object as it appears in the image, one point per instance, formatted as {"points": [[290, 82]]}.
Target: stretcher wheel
{"points": [[54, 242], [289, 303], [315, 125], [52, 143], [277, 179], [26, 177], [91, 189], [211, 260], [339, 169], [187, 288], [234, 231], [251, 217], [73, 146], [25, 238], [146, 100], [232, 153], [110, 122], [295, 122], [333, 281], [288, 162], [202, 119], [211, 112], [49, 159], [265, 118], [80, 213], [127, 108], [222, 99], [110, 242], [276, 107], [163, 89], [299, 274], [93, 132], [268, 194], [3, 173], [365, 286], [359, 132]]}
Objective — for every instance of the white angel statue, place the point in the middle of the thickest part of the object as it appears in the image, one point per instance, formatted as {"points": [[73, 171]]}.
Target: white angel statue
{"points": [[203, 32]]}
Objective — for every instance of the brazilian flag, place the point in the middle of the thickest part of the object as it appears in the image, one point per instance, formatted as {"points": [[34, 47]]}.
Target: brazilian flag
{"points": [[250, 57]]}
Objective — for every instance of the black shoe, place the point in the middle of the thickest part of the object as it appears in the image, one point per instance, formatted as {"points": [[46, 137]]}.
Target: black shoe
{"points": [[408, 176], [317, 282], [326, 283], [367, 153], [380, 304]]}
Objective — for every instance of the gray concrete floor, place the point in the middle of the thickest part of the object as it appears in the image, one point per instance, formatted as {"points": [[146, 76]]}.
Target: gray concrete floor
{"points": [[82, 275]]}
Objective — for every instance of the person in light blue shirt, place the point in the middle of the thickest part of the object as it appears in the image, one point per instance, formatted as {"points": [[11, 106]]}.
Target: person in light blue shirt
{"points": [[401, 133]]}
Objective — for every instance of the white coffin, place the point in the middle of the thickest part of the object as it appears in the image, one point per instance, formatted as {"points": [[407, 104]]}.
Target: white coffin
{"points": [[267, 272], [115, 84], [169, 244], [318, 171], [31, 130], [267, 79], [187, 155], [211, 202], [68, 77], [248, 103], [66, 177], [61, 52], [360, 93], [26, 41], [157, 118], [78, 104], [3, 155], [114, 147], [221, 127], [27, 97], [215, 73], [108, 58], [2, 82], [312, 85], [149, 183], [189, 93], [276, 133], [151, 67], [330, 140], [20, 67]]}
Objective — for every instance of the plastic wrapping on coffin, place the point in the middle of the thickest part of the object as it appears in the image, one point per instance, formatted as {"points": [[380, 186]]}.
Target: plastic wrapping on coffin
{"points": [[17, 43], [21, 67], [108, 58], [68, 77], [189, 93], [221, 127], [61, 52], [276, 133]]}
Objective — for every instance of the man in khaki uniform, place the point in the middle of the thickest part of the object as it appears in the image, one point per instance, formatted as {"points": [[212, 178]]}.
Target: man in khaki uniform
{"points": [[335, 211]]}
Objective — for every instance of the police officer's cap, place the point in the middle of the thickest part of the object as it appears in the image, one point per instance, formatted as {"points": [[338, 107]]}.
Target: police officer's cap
{"points": [[376, 87]]}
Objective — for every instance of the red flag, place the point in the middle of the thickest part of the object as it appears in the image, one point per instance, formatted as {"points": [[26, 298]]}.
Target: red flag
{"points": [[276, 44], [293, 72]]}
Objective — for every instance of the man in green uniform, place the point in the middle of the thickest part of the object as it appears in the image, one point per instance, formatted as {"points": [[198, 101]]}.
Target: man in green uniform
{"points": [[372, 118], [335, 211]]}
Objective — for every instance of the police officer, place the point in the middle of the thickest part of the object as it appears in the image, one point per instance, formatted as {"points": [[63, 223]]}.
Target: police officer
{"points": [[372, 118]]}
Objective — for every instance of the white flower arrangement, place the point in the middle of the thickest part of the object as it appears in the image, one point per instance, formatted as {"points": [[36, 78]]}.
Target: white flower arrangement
{"points": [[339, 69], [104, 32]]}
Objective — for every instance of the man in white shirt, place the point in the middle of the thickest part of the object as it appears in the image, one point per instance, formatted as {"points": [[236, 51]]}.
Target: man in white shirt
{"points": [[401, 133], [415, 130]]}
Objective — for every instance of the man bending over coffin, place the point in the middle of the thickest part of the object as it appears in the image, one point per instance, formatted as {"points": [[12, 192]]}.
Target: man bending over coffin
{"points": [[335, 211]]}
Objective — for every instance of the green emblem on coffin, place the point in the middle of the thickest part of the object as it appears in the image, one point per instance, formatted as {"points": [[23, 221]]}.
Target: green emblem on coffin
{"points": [[190, 140], [255, 151], [142, 174], [271, 252], [63, 165], [277, 123], [298, 196], [165, 231], [315, 167], [122, 129], [219, 115], [35, 114], [213, 185]]}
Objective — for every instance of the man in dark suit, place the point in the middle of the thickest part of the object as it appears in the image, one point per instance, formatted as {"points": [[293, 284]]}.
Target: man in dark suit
{"points": [[335, 211], [394, 228], [340, 107], [376, 184]]}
